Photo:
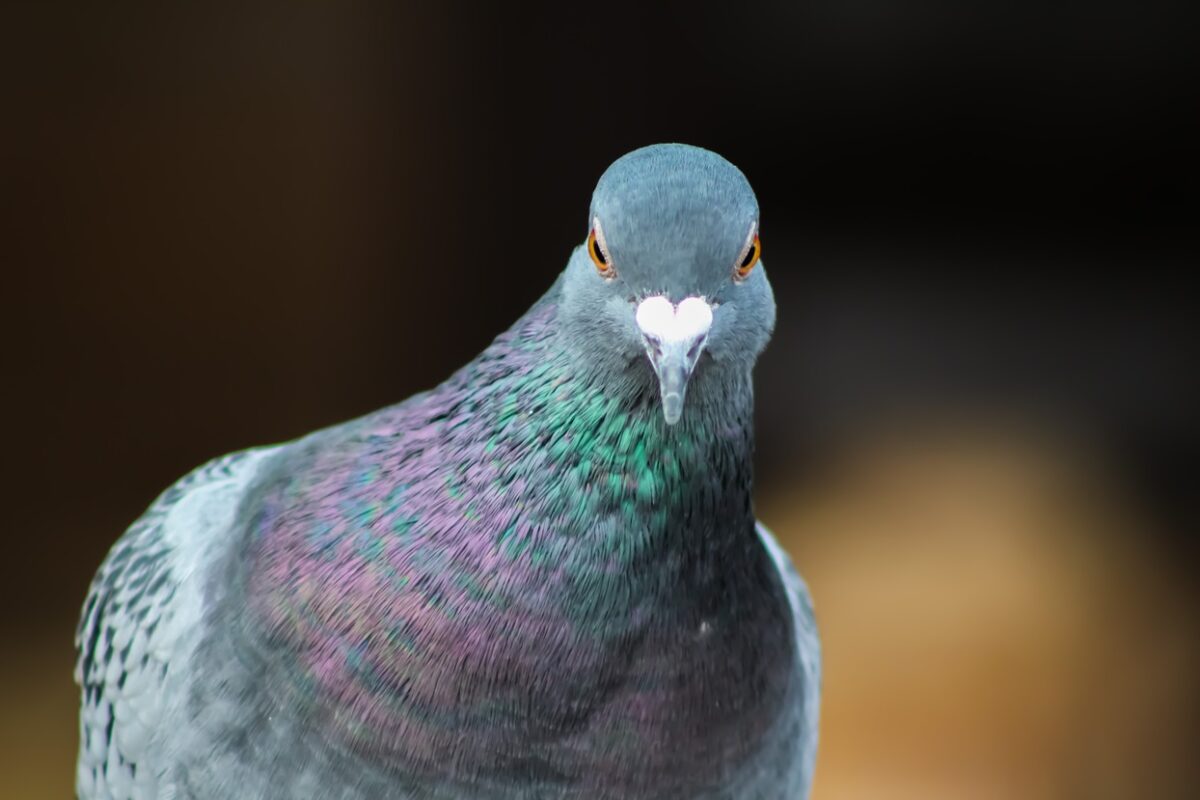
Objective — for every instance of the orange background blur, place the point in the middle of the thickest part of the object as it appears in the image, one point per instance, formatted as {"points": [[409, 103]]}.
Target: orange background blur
{"points": [[235, 223]]}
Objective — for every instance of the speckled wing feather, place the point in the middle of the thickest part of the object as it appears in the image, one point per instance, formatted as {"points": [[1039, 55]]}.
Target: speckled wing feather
{"points": [[808, 647], [138, 622]]}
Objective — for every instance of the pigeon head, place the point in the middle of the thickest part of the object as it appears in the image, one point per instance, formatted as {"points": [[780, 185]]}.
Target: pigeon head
{"points": [[669, 274]]}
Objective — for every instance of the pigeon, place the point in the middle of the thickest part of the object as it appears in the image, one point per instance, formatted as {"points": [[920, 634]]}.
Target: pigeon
{"points": [[541, 580]]}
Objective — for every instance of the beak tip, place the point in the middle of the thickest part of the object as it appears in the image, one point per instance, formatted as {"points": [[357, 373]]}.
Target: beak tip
{"points": [[672, 406]]}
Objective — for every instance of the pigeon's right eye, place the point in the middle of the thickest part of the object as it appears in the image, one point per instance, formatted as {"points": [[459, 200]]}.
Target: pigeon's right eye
{"points": [[598, 252], [750, 254]]}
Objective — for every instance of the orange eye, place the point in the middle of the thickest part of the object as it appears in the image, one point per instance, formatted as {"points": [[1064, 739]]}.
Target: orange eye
{"points": [[599, 254], [742, 271]]}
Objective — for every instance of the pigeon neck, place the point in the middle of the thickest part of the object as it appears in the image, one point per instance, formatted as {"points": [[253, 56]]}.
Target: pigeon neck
{"points": [[639, 494]]}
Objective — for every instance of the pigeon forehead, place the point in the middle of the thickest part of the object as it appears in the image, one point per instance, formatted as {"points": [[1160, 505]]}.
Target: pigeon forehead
{"points": [[671, 187]]}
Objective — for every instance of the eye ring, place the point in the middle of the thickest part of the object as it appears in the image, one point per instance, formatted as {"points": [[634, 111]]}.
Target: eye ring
{"points": [[598, 251], [749, 256]]}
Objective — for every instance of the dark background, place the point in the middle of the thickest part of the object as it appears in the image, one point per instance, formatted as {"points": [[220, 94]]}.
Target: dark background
{"points": [[229, 224]]}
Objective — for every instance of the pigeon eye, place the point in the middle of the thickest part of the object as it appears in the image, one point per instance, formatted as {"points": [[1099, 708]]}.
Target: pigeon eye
{"points": [[598, 252], [746, 265]]}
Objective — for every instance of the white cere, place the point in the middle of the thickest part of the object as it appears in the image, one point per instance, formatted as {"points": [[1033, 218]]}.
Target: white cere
{"points": [[668, 323]]}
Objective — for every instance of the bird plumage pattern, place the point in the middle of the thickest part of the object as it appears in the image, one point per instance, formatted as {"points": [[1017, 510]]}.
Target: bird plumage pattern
{"points": [[528, 582]]}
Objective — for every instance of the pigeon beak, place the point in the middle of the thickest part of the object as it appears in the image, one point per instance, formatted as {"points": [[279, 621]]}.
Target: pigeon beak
{"points": [[674, 336]]}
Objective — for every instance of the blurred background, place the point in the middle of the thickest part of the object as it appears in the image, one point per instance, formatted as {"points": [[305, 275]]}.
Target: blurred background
{"points": [[230, 224]]}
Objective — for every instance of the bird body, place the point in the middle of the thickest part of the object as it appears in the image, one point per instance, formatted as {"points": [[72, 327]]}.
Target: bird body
{"points": [[528, 582]]}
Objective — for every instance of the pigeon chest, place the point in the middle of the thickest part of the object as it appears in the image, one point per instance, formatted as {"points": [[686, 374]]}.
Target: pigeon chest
{"points": [[680, 701]]}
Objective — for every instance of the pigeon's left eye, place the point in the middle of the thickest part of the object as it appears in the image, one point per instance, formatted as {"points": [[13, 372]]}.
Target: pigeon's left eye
{"points": [[744, 267], [598, 252]]}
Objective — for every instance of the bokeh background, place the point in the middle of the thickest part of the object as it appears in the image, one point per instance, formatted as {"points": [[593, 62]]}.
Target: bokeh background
{"points": [[232, 223]]}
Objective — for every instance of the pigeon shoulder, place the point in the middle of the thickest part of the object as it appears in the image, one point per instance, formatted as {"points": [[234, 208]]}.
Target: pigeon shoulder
{"points": [[141, 615], [808, 646]]}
